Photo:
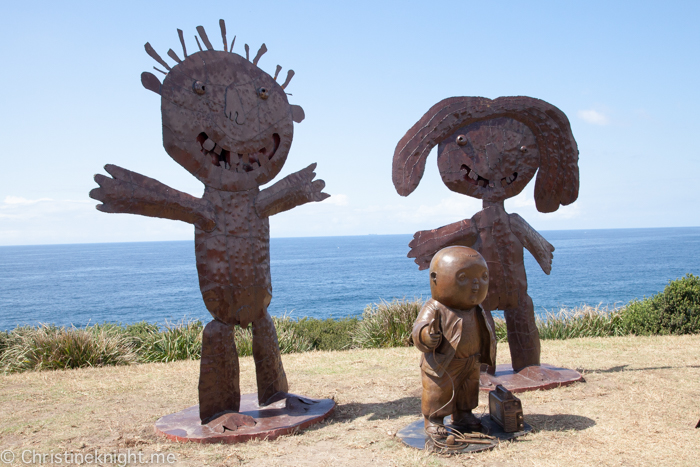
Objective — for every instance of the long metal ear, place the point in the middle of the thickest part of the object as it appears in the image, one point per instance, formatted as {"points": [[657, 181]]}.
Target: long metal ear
{"points": [[557, 180], [412, 151]]}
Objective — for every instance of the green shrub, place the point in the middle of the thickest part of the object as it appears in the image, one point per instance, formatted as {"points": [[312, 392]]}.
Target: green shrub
{"points": [[136, 333], [584, 321], [182, 341], [643, 317], [387, 324], [500, 331], [244, 341], [327, 334], [48, 347], [4, 341], [676, 310], [290, 341]]}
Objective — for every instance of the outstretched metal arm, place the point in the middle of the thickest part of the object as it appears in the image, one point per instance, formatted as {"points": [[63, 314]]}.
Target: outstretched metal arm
{"points": [[426, 243], [133, 193], [535, 243], [292, 191]]}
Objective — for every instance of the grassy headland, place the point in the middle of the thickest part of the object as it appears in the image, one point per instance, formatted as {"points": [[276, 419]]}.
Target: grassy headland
{"points": [[638, 407]]}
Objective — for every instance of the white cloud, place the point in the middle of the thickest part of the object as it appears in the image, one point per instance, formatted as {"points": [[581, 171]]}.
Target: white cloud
{"points": [[16, 207], [48, 221], [337, 200], [523, 200], [13, 200], [594, 117]]}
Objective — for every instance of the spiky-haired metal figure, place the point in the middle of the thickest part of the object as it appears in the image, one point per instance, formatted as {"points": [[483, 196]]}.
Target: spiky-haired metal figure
{"points": [[491, 149], [229, 124]]}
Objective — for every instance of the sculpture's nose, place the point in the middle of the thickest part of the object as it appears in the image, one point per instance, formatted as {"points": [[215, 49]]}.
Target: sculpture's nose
{"points": [[233, 108], [493, 155]]}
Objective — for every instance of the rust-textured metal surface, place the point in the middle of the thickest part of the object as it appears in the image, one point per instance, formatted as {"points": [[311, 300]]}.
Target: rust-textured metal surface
{"points": [[532, 378], [491, 149], [218, 371], [455, 337], [288, 415], [230, 125]]}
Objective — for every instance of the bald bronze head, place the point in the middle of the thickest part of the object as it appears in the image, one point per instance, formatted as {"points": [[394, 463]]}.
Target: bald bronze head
{"points": [[459, 277]]}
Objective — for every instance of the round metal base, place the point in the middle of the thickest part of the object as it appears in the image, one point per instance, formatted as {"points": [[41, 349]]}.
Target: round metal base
{"points": [[293, 413], [531, 378]]}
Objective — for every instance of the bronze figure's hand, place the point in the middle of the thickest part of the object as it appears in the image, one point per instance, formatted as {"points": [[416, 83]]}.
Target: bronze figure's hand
{"points": [[431, 335]]}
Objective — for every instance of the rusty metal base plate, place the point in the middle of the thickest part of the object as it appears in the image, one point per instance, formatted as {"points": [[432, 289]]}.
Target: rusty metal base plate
{"points": [[290, 414], [413, 435], [531, 378]]}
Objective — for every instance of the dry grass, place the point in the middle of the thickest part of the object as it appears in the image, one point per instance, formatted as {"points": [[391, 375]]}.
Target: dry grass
{"points": [[639, 407]]}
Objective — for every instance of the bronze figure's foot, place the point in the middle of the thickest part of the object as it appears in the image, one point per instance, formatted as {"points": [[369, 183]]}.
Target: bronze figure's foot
{"points": [[435, 428], [467, 422]]}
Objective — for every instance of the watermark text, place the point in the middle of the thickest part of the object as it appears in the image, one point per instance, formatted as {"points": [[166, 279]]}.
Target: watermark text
{"points": [[118, 458]]}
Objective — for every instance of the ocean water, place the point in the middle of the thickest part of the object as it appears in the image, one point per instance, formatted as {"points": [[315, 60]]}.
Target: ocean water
{"points": [[319, 277]]}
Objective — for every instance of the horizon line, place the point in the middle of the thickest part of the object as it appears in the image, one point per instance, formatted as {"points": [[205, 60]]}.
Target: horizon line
{"points": [[334, 236]]}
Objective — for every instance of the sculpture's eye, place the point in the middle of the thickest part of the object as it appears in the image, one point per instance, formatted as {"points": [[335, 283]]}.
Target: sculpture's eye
{"points": [[199, 88], [461, 140], [485, 276], [462, 276], [263, 93]]}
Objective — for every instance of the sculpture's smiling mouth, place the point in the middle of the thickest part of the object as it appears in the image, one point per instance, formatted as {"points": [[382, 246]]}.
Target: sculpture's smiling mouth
{"points": [[474, 178], [235, 161]]}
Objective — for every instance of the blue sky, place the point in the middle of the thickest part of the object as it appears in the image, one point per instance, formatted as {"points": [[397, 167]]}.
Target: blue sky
{"points": [[625, 73]]}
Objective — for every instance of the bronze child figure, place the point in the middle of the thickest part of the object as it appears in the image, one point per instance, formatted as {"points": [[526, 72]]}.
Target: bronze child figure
{"points": [[229, 124], [491, 149], [455, 337]]}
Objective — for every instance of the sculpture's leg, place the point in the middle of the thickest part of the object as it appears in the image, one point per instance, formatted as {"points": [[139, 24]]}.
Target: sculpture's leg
{"points": [[268, 361], [467, 398], [523, 337], [437, 399], [487, 308], [219, 388]]}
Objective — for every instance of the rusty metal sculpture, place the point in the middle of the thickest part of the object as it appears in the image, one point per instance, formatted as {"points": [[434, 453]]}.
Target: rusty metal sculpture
{"points": [[455, 336], [229, 124], [491, 149]]}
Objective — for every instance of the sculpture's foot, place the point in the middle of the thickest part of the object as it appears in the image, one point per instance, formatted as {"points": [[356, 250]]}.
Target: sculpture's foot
{"points": [[531, 378], [288, 414], [434, 427], [230, 421], [466, 423], [276, 397]]}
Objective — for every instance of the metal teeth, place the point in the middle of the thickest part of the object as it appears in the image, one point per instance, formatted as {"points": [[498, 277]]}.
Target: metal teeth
{"points": [[483, 182], [242, 163], [208, 145]]}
